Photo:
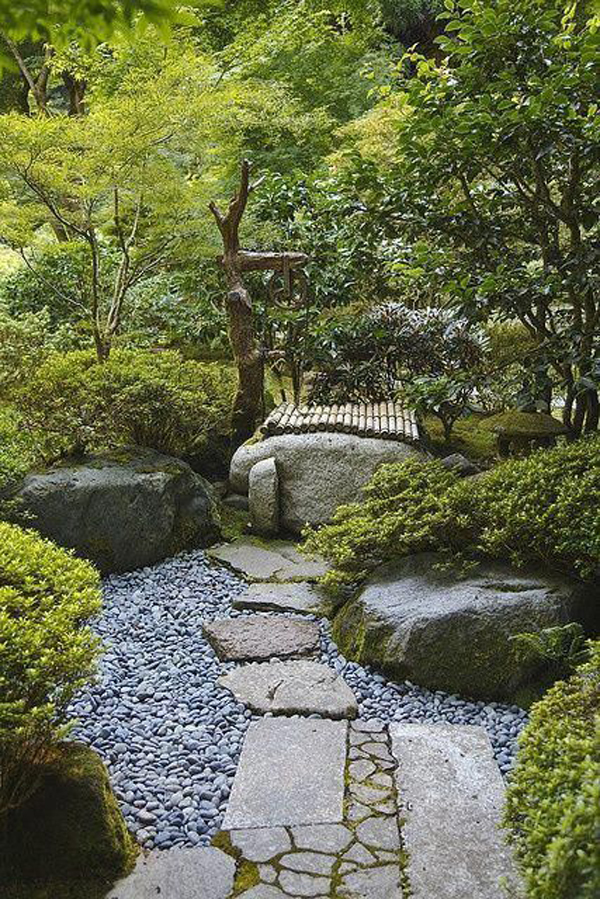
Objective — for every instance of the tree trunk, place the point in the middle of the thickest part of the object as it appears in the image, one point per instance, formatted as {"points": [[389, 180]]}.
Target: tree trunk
{"points": [[248, 403]]}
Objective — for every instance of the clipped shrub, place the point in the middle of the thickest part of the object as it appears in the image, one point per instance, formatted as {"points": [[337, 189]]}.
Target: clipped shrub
{"points": [[46, 653], [553, 800], [158, 400], [543, 509], [403, 511], [17, 449]]}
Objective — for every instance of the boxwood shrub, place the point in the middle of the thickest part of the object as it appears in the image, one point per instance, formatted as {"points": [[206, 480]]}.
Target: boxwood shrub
{"points": [[544, 509], [155, 399], [47, 652], [553, 801]]}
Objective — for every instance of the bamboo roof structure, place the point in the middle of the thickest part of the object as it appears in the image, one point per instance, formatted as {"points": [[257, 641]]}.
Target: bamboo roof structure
{"points": [[386, 420]]}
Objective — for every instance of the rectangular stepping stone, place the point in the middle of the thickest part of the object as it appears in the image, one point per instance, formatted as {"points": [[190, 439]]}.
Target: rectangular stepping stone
{"points": [[451, 792], [280, 562], [292, 688], [301, 597], [203, 873], [257, 637], [291, 772]]}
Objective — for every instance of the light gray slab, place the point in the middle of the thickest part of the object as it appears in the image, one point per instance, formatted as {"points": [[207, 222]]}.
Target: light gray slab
{"points": [[280, 562], [290, 772], [292, 688], [451, 795], [287, 597], [204, 873]]}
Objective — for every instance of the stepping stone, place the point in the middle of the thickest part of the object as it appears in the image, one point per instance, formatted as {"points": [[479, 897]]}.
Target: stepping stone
{"points": [[292, 688], [204, 873], [330, 838], [452, 795], [382, 882], [290, 772], [299, 597], [258, 638], [261, 845], [281, 561]]}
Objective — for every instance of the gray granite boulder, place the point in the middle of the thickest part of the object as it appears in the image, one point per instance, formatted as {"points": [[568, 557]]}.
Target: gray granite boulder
{"points": [[450, 629], [122, 511], [317, 472], [263, 498]]}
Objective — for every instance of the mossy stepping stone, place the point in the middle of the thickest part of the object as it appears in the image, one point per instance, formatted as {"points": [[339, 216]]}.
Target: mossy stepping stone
{"points": [[277, 560]]}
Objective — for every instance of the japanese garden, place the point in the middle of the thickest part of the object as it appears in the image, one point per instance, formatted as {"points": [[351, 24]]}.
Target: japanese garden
{"points": [[299, 449]]}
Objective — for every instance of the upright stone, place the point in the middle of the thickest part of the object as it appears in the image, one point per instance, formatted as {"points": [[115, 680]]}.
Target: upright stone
{"points": [[451, 794], [291, 772], [263, 497]]}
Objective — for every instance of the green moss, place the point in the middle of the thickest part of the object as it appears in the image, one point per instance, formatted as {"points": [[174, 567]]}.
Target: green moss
{"points": [[70, 830], [246, 877], [470, 436], [234, 522], [524, 424]]}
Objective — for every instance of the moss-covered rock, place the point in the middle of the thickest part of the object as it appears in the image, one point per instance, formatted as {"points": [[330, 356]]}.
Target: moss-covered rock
{"points": [[123, 510], [71, 830], [525, 424], [450, 629]]}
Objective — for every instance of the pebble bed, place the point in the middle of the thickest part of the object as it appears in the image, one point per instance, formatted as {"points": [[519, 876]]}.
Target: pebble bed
{"points": [[171, 736]]}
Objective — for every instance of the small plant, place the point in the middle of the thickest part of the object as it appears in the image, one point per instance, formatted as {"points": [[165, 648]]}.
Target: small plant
{"points": [[562, 648], [47, 653]]}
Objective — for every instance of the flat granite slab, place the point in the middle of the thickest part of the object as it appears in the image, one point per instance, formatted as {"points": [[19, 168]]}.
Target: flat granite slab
{"points": [[290, 773], [301, 597], [280, 562], [203, 873], [451, 793], [259, 637], [292, 688]]}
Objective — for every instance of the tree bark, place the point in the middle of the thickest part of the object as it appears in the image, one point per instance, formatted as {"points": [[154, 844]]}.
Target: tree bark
{"points": [[248, 403]]}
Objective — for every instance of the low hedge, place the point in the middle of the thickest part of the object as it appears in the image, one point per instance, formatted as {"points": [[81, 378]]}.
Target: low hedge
{"points": [[46, 653], [553, 801], [544, 509], [160, 400]]}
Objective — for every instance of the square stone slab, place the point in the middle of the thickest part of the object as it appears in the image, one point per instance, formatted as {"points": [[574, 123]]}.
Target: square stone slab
{"points": [[257, 638], [300, 597], [292, 688], [291, 772], [452, 795], [204, 873], [281, 561]]}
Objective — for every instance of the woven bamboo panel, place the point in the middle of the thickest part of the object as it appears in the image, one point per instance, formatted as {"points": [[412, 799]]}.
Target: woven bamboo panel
{"points": [[386, 420]]}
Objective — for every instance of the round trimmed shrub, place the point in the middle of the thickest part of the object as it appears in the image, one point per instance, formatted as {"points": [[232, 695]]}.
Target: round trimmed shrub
{"points": [[553, 801], [47, 653], [160, 400]]}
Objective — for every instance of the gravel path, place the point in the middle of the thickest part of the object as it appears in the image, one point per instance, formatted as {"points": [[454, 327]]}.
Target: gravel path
{"points": [[171, 737]]}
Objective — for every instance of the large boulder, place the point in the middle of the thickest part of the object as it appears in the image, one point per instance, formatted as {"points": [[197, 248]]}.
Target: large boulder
{"points": [[122, 511], [449, 629], [317, 472]]}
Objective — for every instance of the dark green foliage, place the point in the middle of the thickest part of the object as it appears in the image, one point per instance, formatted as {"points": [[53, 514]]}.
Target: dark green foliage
{"points": [[46, 653], [71, 829], [543, 509], [553, 802], [159, 400], [365, 353], [562, 648]]}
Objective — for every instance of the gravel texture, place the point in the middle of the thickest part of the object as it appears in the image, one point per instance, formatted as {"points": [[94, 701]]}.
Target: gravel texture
{"points": [[171, 736]]}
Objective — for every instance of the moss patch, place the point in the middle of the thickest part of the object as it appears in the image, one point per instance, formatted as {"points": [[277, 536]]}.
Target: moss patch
{"points": [[70, 830]]}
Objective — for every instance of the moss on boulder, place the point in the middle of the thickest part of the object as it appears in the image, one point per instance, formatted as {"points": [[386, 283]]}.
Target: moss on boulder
{"points": [[71, 830], [525, 424]]}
